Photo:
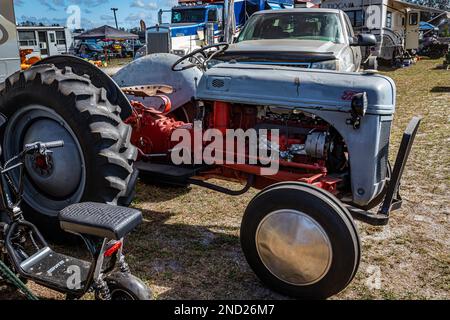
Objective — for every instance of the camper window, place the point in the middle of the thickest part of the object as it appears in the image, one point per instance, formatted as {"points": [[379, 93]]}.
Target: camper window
{"points": [[389, 20], [27, 38], [60, 38], [413, 19]]}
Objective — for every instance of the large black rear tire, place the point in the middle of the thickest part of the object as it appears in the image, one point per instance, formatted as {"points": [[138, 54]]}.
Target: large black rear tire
{"points": [[44, 104], [300, 241]]}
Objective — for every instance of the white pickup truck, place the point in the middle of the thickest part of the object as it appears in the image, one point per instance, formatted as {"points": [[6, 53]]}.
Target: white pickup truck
{"points": [[306, 38]]}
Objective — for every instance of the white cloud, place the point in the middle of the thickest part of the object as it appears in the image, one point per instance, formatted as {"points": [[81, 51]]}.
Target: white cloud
{"points": [[141, 4]]}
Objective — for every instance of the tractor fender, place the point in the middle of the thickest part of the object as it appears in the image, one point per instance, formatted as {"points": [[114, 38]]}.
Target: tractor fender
{"points": [[98, 78], [156, 69]]}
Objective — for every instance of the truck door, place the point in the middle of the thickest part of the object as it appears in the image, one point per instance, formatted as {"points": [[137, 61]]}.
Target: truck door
{"points": [[412, 30], [355, 51], [213, 18], [52, 45]]}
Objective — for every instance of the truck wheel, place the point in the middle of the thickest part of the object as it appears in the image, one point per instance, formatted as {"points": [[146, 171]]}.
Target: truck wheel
{"points": [[372, 63], [44, 104], [300, 241]]}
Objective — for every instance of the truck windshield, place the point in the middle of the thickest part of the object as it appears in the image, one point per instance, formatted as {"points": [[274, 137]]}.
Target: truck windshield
{"points": [[294, 25], [188, 15]]}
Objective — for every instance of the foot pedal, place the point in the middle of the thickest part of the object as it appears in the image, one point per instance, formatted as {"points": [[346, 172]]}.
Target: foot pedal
{"points": [[56, 270]]}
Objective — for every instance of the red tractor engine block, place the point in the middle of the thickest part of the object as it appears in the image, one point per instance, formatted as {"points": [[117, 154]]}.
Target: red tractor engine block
{"points": [[152, 133], [152, 130]]}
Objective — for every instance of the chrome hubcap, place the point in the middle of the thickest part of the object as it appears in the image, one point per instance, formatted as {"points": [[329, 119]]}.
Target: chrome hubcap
{"points": [[294, 247]]}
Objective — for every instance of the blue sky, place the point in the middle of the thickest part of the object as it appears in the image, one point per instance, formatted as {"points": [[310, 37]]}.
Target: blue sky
{"points": [[93, 12]]}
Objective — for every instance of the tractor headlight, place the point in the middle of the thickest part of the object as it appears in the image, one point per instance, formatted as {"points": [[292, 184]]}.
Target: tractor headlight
{"points": [[326, 65]]}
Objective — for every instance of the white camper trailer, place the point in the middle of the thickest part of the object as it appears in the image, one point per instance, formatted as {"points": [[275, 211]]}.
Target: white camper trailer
{"points": [[45, 41], [9, 51], [394, 22]]}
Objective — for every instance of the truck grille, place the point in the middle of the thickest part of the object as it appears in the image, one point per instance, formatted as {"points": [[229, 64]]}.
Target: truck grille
{"points": [[383, 150], [158, 42]]}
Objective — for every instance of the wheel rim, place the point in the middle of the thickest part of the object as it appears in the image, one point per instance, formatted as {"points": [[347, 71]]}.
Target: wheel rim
{"points": [[49, 186], [294, 247], [119, 294]]}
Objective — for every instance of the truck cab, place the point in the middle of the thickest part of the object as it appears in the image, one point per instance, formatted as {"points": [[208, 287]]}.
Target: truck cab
{"points": [[186, 30], [9, 50]]}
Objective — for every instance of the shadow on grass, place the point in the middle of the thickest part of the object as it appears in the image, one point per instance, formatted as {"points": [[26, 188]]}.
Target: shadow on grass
{"points": [[440, 89], [10, 293], [161, 192], [387, 68], [192, 261], [439, 67]]}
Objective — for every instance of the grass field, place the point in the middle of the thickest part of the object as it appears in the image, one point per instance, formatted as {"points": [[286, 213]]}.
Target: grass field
{"points": [[188, 247]]}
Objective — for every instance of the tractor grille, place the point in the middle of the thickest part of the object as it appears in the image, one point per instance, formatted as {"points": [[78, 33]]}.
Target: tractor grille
{"points": [[218, 83], [158, 42], [383, 150]]}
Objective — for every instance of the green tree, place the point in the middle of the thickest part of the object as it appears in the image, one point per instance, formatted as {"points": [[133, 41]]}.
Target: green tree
{"points": [[440, 4]]}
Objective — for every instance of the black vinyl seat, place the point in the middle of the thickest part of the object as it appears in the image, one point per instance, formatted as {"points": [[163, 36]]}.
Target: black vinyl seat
{"points": [[101, 220]]}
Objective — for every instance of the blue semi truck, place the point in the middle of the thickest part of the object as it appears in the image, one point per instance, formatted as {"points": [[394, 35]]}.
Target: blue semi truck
{"points": [[194, 24]]}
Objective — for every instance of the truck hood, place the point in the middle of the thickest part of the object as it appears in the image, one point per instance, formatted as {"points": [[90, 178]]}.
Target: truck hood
{"points": [[283, 50], [284, 45], [181, 25]]}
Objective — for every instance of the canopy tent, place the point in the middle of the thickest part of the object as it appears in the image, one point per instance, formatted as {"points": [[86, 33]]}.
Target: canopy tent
{"points": [[425, 26], [106, 32]]}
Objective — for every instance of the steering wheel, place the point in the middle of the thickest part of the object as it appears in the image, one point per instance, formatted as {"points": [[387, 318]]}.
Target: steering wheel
{"points": [[201, 56]]}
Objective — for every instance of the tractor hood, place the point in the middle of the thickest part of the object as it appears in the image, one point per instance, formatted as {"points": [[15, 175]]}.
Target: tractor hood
{"points": [[294, 88]]}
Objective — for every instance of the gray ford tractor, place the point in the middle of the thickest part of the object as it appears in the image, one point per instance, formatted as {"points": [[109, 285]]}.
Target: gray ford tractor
{"points": [[298, 234], [327, 134]]}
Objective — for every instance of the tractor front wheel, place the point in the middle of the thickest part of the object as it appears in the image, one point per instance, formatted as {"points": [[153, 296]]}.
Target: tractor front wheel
{"points": [[300, 241]]}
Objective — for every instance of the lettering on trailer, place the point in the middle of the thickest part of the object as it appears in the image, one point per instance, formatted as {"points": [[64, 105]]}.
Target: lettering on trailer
{"points": [[341, 5]]}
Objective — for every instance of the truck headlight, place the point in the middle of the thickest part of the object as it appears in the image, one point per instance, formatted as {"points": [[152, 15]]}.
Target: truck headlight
{"points": [[326, 65]]}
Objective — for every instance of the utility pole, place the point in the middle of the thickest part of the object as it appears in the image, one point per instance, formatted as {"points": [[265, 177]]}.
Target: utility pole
{"points": [[115, 16]]}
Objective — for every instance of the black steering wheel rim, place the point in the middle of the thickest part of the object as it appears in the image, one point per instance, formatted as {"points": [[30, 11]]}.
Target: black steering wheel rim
{"points": [[223, 46]]}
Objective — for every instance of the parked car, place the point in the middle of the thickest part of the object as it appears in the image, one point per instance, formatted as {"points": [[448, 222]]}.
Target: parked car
{"points": [[305, 38], [133, 45], [90, 50]]}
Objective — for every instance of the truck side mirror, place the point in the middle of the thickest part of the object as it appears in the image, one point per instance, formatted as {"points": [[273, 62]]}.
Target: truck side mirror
{"points": [[364, 40]]}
